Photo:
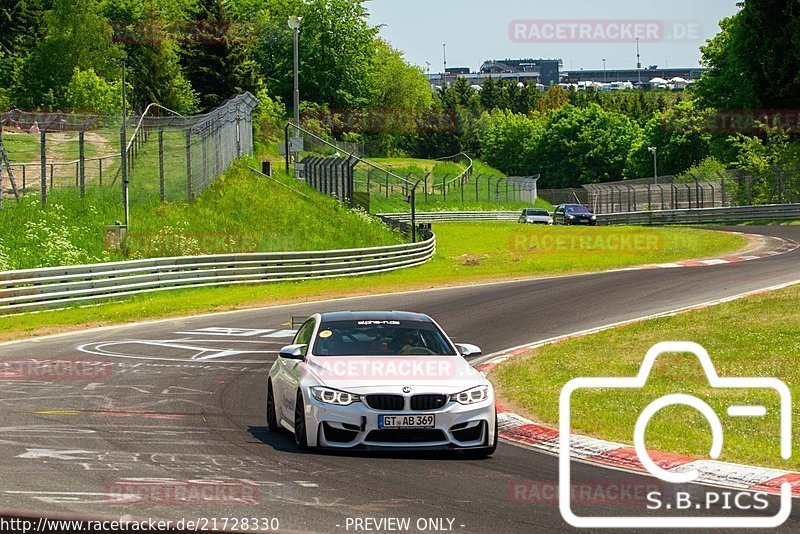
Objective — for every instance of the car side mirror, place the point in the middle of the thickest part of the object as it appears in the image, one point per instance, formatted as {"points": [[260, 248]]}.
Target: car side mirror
{"points": [[467, 350], [293, 352]]}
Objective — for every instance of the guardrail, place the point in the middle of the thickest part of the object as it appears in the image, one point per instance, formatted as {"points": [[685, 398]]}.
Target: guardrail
{"points": [[454, 216], [59, 287], [771, 212]]}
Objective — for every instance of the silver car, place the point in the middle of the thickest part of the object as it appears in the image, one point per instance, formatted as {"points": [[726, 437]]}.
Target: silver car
{"points": [[381, 380], [535, 216]]}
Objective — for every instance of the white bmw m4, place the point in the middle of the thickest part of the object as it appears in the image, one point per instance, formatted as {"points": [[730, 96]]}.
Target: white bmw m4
{"points": [[379, 380]]}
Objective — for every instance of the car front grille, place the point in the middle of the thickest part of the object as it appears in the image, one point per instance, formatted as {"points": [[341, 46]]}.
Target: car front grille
{"points": [[402, 435], [392, 403], [428, 402]]}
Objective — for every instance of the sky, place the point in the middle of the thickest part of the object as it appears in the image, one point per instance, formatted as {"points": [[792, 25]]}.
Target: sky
{"points": [[477, 30]]}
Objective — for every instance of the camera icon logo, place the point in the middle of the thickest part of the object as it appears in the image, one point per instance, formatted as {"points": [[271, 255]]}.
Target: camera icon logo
{"points": [[638, 382]]}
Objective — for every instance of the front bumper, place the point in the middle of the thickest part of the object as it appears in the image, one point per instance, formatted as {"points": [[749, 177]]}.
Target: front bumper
{"points": [[581, 222], [356, 426]]}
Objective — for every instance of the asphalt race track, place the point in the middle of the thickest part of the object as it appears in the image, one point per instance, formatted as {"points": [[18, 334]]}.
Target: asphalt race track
{"points": [[183, 401]]}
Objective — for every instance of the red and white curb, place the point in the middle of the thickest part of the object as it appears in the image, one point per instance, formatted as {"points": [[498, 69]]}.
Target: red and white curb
{"points": [[521, 431], [773, 246]]}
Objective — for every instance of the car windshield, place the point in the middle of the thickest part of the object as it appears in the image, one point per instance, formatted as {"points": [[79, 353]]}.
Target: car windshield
{"points": [[542, 213], [577, 209], [381, 338]]}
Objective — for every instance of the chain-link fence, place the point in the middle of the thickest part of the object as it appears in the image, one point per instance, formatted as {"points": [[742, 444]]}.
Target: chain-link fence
{"points": [[168, 157], [650, 194], [734, 187], [175, 158], [447, 183], [51, 152]]}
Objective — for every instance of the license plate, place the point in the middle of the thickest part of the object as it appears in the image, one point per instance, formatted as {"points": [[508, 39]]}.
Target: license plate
{"points": [[406, 421]]}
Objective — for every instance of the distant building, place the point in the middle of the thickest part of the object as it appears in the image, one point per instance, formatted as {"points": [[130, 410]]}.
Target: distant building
{"points": [[681, 77], [539, 72], [546, 71]]}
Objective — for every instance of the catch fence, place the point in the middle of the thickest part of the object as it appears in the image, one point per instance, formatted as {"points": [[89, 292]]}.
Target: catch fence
{"points": [[168, 157]]}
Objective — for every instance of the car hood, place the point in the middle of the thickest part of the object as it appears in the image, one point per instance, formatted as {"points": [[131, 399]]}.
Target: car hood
{"points": [[444, 374]]}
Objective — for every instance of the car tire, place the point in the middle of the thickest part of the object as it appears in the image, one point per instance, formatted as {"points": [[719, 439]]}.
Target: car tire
{"points": [[272, 418], [485, 452], [300, 434]]}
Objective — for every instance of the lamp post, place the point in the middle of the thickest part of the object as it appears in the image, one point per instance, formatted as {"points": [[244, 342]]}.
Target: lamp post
{"points": [[605, 78], [294, 24], [654, 150]]}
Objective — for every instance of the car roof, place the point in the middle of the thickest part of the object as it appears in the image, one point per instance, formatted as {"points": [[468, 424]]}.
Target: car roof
{"points": [[374, 316]]}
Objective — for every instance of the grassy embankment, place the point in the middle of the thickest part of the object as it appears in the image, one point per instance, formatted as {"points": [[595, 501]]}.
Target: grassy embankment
{"points": [[480, 192], [466, 253], [757, 336]]}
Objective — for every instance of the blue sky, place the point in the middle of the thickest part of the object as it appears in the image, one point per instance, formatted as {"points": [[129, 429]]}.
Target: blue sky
{"points": [[478, 30]]}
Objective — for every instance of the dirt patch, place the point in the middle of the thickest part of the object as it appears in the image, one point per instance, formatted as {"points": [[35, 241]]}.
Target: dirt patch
{"points": [[471, 260]]}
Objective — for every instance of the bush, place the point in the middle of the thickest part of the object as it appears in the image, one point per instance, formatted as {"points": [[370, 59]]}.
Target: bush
{"points": [[269, 117], [5, 262], [89, 92], [707, 170]]}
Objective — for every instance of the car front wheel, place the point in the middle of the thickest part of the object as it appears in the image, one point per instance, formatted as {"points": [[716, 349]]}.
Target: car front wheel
{"points": [[272, 419], [300, 435]]}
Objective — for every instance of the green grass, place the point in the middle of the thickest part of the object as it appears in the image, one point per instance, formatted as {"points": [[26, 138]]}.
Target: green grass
{"points": [[466, 253], [479, 193], [240, 212], [757, 336], [23, 147]]}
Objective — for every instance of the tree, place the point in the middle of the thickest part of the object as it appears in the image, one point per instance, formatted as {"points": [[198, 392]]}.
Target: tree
{"points": [[508, 140], [337, 51], [154, 71], [555, 98], [21, 23], [399, 104], [89, 92], [75, 35], [755, 60], [584, 145], [397, 85], [216, 61], [682, 137]]}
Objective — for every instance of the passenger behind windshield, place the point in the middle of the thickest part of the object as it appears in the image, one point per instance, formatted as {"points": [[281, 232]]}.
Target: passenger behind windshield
{"points": [[381, 338]]}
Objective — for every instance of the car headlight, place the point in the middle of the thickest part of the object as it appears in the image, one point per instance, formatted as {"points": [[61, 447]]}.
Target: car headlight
{"points": [[570, 217], [471, 396], [334, 396], [594, 217]]}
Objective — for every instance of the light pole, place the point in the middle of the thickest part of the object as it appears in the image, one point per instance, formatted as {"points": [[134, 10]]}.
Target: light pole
{"points": [[605, 78], [654, 150], [294, 24]]}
